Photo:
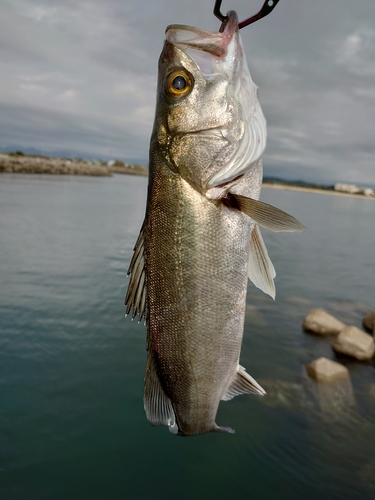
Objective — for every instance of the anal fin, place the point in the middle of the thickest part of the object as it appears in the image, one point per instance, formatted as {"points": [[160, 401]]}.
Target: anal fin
{"points": [[260, 269], [229, 430], [243, 383], [158, 407]]}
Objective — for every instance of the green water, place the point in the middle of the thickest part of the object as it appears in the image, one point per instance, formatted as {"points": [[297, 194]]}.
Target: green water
{"points": [[72, 423]]}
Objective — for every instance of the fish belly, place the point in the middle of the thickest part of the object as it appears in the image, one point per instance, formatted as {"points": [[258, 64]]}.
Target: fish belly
{"points": [[196, 255]]}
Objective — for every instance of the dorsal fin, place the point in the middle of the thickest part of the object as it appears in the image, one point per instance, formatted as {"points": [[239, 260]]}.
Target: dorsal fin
{"points": [[136, 295], [260, 270]]}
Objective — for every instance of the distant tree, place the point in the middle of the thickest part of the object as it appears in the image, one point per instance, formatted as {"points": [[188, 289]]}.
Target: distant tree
{"points": [[17, 153]]}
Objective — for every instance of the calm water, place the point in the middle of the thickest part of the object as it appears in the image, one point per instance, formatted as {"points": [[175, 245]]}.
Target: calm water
{"points": [[71, 367]]}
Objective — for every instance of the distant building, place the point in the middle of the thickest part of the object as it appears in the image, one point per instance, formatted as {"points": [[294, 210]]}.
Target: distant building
{"points": [[368, 192], [352, 189], [347, 188]]}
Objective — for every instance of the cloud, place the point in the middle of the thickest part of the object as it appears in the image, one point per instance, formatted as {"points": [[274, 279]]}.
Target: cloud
{"points": [[39, 12], [81, 76], [356, 52]]}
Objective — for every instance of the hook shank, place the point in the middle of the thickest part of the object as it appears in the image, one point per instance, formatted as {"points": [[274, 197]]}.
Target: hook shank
{"points": [[266, 9]]}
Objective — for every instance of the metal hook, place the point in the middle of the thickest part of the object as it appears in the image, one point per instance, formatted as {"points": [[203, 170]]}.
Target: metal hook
{"points": [[267, 8]]}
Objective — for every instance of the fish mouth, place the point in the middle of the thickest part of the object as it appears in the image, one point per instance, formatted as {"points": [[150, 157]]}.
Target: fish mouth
{"points": [[215, 43]]}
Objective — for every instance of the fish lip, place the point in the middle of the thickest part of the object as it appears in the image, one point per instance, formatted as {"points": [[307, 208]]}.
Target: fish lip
{"points": [[186, 27], [230, 27], [216, 43]]}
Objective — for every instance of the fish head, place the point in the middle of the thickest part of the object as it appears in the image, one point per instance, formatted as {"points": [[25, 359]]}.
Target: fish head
{"points": [[208, 118]]}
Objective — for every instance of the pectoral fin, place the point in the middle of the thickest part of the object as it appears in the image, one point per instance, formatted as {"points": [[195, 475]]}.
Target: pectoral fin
{"points": [[243, 383], [261, 271], [158, 407], [264, 214], [135, 299]]}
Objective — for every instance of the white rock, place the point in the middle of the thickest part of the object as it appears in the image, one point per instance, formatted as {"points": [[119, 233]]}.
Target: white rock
{"points": [[354, 342], [334, 392], [369, 322], [319, 322], [326, 370]]}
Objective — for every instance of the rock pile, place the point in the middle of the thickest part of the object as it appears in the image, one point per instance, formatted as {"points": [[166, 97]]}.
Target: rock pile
{"points": [[48, 165], [20, 163], [119, 167], [350, 341]]}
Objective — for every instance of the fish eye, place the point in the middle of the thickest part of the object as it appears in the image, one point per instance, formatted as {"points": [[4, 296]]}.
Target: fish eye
{"points": [[179, 83]]}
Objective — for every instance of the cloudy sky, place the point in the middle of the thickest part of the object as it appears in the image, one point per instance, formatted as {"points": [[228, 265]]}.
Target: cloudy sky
{"points": [[79, 78]]}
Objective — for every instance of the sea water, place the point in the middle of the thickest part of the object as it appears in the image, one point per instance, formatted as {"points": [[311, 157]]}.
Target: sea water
{"points": [[72, 423]]}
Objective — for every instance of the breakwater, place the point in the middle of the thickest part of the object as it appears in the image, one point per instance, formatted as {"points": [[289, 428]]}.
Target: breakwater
{"points": [[20, 163]]}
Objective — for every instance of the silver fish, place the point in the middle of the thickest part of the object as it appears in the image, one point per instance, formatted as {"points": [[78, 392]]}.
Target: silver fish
{"points": [[200, 239]]}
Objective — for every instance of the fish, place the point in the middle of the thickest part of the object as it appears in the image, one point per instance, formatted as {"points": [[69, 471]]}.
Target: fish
{"points": [[200, 239]]}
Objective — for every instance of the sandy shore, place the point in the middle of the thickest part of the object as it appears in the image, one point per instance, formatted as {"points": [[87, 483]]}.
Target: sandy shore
{"points": [[313, 190]]}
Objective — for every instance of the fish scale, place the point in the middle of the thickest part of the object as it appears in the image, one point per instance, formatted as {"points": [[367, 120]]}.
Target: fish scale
{"points": [[194, 349]]}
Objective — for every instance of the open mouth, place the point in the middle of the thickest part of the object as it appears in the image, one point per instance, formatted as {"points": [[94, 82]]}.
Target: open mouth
{"points": [[214, 43]]}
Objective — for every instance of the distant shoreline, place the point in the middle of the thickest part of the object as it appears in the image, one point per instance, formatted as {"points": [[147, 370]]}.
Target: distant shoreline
{"points": [[315, 190], [29, 164], [20, 163]]}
